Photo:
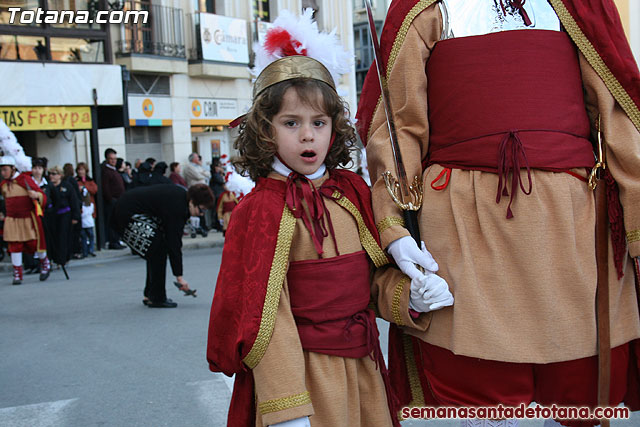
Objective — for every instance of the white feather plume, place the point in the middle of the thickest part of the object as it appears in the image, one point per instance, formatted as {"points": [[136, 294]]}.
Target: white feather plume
{"points": [[10, 147], [321, 46]]}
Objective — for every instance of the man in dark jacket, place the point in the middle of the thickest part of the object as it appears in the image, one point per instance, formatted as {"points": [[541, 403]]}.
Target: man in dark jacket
{"points": [[158, 174], [151, 220], [112, 189]]}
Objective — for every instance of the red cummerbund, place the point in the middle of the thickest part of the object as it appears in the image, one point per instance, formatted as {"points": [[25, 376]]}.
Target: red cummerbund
{"points": [[520, 85], [228, 206], [19, 206], [329, 300]]}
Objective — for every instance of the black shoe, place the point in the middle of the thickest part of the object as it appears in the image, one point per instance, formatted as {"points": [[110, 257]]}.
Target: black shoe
{"points": [[205, 233], [193, 234], [92, 254], [165, 304], [117, 246], [45, 276]]}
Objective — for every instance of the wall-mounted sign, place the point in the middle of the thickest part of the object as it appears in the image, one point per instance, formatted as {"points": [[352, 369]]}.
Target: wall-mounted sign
{"points": [[212, 111], [262, 28], [46, 118], [224, 39], [149, 111]]}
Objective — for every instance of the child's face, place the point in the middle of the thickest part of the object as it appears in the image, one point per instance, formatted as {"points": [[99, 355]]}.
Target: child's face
{"points": [[302, 134]]}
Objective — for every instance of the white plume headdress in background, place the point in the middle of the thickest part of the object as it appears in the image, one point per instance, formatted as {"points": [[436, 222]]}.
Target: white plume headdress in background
{"points": [[11, 148], [293, 36]]}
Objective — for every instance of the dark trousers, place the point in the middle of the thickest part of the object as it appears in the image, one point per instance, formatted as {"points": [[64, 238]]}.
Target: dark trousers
{"points": [[113, 239], [156, 275], [87, 238]]}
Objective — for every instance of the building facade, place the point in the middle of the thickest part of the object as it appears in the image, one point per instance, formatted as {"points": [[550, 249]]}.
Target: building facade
{"points": [[164, 88]]}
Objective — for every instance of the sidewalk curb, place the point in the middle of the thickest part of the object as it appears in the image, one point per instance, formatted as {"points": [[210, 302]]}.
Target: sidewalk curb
{"points": [[188, 244]]}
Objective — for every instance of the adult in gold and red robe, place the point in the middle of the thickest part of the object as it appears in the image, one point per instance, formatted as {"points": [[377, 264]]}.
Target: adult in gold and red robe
{"points": [[23, 229], [495, 105], [292, 325]]}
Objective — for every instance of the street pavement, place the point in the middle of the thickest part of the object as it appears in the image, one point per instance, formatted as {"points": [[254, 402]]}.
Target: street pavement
{"points": [[86, 352]]}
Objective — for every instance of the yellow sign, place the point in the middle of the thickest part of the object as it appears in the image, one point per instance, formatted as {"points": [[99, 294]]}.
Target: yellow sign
{"points": [[196, 108], [46, 118], [147, 107]]}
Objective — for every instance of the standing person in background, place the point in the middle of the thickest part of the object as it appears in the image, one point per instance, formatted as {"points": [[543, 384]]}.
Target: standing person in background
{"points": [[194, 173], [175, 176], [122, 170], [164, 209], [112, 189], [134, 171], [226, 203], [67, 173], [88, 223], [85, 181], [38, 170], [128, 176], [217, 186], [158, 174], [144, 175], [66, 208]]}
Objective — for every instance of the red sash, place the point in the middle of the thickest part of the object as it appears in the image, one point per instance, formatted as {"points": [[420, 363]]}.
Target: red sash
{"points": [[228, 206], [507, 101], [329, 300]]}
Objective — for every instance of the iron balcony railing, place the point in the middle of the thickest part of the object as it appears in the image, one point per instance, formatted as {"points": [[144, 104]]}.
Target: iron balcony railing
{"points": [[162, 34]]}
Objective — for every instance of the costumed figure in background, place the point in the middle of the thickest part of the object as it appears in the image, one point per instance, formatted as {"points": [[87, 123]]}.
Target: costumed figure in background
{"points": [[226, 204], [66, 213], [499, 105], [151, 220], [24, 200], [290, 315]]}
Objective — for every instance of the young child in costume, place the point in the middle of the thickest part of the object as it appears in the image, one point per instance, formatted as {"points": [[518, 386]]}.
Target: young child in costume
{"points": [[24, 200], [226, 204], [290, 315]]}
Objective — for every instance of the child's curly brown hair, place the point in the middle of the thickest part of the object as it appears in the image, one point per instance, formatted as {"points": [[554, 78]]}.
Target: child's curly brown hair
{"points": [[256, 141]]}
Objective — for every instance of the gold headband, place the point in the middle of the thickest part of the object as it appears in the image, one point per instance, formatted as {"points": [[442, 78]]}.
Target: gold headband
{"points": [[292, 67]]}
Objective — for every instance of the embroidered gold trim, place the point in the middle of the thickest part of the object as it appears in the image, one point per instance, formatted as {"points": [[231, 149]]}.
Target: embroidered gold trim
{"points": [[397, 43], [592, 56], [633, 236], [395, 303], [274, 286], [283, 403], [368, 242], [417, 395], [389, 222]]}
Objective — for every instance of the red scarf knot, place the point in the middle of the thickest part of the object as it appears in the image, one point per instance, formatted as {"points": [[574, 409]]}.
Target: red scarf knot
{"points": [[509, 154], [299, 189]]}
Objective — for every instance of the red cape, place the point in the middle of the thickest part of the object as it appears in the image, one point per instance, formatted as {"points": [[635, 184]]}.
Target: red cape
{"points": [[599, 28], [243, 281]]}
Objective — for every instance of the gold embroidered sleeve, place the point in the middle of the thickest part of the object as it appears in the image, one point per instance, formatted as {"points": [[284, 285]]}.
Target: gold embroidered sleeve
{"points": [[388, 222], [392, 289]]}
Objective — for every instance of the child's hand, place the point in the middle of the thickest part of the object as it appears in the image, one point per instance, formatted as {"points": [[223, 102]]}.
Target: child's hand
{"points": [[33, 194]]}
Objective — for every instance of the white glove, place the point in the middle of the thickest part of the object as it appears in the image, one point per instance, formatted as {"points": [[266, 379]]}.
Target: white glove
{"points": [[406, 254], [298, 422], [429, 292]]}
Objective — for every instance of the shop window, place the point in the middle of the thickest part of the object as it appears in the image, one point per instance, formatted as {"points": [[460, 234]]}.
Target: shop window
{"points": [[76, 50], [73, 5], [22, 48], [5, 15]]}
